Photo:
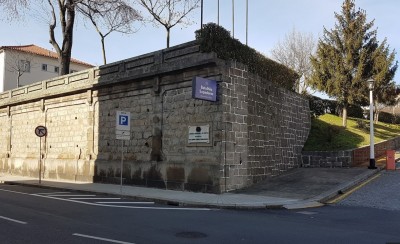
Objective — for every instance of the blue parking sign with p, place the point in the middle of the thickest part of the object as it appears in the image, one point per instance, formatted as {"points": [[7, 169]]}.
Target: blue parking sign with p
{"points": [[123, 120]]}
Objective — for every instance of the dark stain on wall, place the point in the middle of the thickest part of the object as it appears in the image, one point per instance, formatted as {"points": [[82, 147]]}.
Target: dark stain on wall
{"points": [[199, 180], [137, 178], [175, 178], [153, 177], [156, 145]]}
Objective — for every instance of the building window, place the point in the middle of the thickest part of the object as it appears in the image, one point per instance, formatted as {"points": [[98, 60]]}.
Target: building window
{"points": [[56, 69], [44, 67], [25, 66]]}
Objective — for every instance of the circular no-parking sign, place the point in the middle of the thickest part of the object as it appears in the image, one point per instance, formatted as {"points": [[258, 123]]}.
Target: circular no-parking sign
{"points": [[41, 131]]}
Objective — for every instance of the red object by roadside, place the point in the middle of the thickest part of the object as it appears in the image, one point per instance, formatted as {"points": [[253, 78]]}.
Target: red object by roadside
{"points": [[390, 162]]}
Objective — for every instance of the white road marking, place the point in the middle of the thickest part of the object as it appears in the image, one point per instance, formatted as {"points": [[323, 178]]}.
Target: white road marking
{"points": [[126, 202], [13, 220], [51, 193], [102, 239], [307, 212], [105, 205], [96, 198], [72, 195]]}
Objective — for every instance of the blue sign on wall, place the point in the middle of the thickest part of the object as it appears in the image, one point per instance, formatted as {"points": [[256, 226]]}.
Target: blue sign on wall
{"points": [[123, 120], [204, 89]]}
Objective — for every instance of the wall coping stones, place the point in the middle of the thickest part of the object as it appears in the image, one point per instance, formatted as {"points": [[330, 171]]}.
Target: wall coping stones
{"points": [[180, 57]]}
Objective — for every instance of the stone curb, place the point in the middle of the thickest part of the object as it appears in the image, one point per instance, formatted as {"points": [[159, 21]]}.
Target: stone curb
{"points": [[343, 188], [322, 199]]}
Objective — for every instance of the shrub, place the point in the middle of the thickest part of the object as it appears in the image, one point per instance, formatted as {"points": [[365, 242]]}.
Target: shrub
{"points": [[362, 125], [214, 38], [355, 111], [319, 106], [389, 118]]}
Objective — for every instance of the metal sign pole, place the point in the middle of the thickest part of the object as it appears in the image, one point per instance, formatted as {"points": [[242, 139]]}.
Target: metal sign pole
{"points": [[40, 131], [122, 132], [122, 161], [40, 160]]}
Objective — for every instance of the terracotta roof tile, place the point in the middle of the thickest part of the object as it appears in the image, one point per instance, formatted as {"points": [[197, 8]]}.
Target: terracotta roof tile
{"points": [[33, 49]]}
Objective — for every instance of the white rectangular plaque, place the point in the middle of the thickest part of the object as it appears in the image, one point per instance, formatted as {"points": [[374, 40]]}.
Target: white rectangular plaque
{"points": [[199, 134]]}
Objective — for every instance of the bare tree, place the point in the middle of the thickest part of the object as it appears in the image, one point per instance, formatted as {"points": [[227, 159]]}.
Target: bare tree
{"points": [[295, 52], [66, 12], [169, 13], [19, 63], [14, 7], [109, 16]]}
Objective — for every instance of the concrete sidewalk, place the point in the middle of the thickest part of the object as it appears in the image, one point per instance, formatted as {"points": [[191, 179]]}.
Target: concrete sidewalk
{"points": [[297, 188]]}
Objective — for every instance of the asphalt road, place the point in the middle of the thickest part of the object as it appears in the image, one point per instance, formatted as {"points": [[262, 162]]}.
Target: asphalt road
{"points": [[383, 192], [34, 215]]}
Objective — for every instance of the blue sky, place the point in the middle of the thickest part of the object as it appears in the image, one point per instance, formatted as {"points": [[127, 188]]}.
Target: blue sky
{"points": [[269, 21]]}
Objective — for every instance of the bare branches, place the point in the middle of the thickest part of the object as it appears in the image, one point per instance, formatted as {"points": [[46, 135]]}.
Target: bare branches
{"points": [[19, 63], [170, 13], [15, 8], [106, 15], [109, 16], [295, 52]]}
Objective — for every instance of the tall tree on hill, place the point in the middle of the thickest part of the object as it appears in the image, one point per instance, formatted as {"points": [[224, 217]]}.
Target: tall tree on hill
{"points": [[169, 13], [384, 70], [344, 58]]}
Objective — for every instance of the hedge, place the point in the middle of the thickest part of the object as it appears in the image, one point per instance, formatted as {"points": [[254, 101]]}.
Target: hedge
{"points": [[319, 106], [214, 38]]}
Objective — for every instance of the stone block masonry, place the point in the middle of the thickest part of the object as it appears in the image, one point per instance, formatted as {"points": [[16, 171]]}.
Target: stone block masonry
{"points": [[278, 126], [348, 158], [255, 129]]}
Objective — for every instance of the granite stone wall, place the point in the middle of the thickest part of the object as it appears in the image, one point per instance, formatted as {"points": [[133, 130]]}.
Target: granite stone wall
{"points": [[348, 158], [278, 124], [256, 129], [327, 159]]}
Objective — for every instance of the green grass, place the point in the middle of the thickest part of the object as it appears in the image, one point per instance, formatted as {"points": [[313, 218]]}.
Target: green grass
{"points": [[327, 134]]}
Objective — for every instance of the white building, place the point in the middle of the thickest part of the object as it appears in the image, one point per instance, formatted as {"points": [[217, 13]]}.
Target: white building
{"points": [[23, 65]]}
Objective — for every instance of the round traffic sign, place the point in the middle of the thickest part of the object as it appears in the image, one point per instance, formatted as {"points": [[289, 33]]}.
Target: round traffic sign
{"points": [[41, 131]]}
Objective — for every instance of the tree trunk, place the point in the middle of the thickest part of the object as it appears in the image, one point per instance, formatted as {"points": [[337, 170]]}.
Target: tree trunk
{"points": [[168, 33], [344, 123], [67, 19], [376, 116], [64, 61], [103, 48], [19, 75], [67, 42]]}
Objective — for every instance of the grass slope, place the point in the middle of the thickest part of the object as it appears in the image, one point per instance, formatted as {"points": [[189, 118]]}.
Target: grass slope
{"points": [[327, 134]]}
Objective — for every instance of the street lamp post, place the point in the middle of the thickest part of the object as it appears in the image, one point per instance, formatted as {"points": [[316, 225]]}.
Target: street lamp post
{"points": [[371, 126]]}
